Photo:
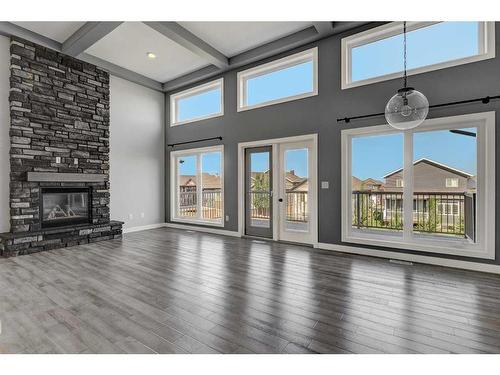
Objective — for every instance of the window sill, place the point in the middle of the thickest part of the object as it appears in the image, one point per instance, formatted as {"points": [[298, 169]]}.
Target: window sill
{"points": [[419, 242], [198, 119], [277, 101]]}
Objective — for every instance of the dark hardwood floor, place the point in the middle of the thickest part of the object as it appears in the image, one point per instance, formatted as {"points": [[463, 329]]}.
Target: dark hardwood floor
{"points": [[175, 291]]}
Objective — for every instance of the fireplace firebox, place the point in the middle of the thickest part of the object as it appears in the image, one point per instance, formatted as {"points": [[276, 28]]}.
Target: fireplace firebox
{"points": [[63, 206]]}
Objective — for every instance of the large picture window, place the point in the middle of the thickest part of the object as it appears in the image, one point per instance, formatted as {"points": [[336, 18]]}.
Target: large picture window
{"points": [[376, 55], [197, 185], [198, 103], [425, 189], [290, 78]]}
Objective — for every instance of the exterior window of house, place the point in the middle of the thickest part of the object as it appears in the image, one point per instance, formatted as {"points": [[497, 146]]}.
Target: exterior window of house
{"points": [[290, 78], [197, 186], [412, 208], [451, 182], [375, 55], [198, 103]]}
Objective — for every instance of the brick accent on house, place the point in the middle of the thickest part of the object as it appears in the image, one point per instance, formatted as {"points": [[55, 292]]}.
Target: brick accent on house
{"points": [[59, 108]]}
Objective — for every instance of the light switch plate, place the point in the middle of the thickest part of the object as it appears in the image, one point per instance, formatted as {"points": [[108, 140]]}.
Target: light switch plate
{"points": [[325, 185], [58, 160]]}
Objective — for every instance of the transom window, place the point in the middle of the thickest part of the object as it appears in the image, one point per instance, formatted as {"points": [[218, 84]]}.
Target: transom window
{"points": [[377, 54], [198, 103], [290, 78], [428, 198], [197, 185]]}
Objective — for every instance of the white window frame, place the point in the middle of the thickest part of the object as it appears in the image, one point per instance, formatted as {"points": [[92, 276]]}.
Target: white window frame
{"points": [[286, 62], [451, 182], [174, 191], [400, 183], [486, 46], [484, 247], [201, 89]]}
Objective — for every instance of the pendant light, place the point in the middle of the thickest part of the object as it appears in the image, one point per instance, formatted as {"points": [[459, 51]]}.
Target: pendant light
{"points": [[409, 107]]}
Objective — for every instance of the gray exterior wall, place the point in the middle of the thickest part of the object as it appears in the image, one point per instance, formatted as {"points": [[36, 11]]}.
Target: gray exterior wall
{"points": [[318, 114], [428, 178]]}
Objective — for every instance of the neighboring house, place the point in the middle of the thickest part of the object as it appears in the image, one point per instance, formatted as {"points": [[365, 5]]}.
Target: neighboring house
{"points": [[431, 176], [211, 187], [439, 191]]}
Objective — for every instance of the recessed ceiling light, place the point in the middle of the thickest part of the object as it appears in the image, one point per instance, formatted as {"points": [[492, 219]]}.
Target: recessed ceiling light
{"points": [[151, 55]]}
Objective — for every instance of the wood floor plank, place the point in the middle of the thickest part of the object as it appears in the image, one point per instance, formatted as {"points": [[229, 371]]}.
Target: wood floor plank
{"points": [[173, 291]]}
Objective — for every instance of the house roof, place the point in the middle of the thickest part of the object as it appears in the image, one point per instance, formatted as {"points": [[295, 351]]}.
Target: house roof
{"points": [[436, 164], [210, 181]]}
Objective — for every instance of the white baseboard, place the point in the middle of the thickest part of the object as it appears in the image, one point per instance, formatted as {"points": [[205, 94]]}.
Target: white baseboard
{"points": [[462, 264], [222, 232], [144, 227]]}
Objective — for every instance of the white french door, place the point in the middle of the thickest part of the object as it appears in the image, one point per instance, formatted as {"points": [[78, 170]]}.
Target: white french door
{"points": [[295, 203]]}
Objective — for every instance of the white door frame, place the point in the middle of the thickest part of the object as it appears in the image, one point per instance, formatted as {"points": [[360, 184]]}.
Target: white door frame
{"points": [[314, 176]]}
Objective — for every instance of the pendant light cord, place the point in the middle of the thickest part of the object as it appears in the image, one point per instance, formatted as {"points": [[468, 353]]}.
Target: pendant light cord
{"points": [[404, 53]]}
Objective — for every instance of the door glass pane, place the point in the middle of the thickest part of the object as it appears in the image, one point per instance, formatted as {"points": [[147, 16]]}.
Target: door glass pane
{"points": [[260, 192], [376, 181], [296, 182], [211, 185], [187, 186], [444, 183]]}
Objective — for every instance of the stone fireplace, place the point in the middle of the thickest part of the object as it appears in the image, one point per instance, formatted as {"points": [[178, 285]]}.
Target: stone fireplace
{"points": [[59, 156]]}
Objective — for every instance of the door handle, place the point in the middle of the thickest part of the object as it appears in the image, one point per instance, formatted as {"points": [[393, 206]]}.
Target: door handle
{"points": [[280, 200]]}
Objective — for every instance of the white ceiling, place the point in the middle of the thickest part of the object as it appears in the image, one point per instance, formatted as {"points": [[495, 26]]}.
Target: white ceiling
{"points": [[232, 38], [128, 44], [59, 31]]}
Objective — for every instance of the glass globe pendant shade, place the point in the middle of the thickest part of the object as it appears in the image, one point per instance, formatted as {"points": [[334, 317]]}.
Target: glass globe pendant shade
{"points": [[407, 109]]}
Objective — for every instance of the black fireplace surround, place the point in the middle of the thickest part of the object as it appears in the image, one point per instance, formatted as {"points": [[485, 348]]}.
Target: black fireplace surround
{"points": [[63, 206]]}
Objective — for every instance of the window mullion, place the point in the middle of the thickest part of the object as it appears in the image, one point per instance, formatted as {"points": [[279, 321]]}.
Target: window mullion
{"points": [[408, 186], [199, 188]]}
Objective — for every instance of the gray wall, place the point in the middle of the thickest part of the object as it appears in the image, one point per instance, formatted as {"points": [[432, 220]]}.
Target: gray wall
{"points": [[4, 134], [136, 154], [318, 115]]}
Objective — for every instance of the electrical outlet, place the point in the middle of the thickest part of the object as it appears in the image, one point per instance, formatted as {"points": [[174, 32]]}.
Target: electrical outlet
{"points": [[227, 217], [75, 161], [142, 215], [130, 216], [58, 160], [325, 185]]}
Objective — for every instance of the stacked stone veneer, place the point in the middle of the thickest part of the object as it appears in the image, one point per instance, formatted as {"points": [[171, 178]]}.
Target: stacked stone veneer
{"points": [[59, 108]]}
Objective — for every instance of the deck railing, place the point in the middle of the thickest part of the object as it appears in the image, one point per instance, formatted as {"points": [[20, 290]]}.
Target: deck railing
{"points": [[211, 204], [440, 213], [296, 205]]}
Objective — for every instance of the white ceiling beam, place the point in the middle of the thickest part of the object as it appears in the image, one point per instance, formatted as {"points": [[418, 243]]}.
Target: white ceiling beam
{"points": [[11, 30], [86, 36], [185, 38]]}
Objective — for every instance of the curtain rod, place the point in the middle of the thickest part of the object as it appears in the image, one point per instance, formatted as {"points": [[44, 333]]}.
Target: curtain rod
{"points": [[198, 140], [484, 100]]}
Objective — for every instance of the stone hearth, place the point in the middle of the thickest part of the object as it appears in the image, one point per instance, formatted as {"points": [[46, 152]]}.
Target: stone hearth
{"points": [[59, 110]]}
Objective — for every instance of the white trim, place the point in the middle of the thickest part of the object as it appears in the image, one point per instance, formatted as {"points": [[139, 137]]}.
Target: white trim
{"points": [[485, 244], [436, 261], [209, 86], [174, 179], [221, 232], [144, 227], [486, 45], [273, 66], [241, 180]]}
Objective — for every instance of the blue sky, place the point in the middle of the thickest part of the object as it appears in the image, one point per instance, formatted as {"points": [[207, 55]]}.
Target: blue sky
{"points": [[210, 163], [376, 156], [437, 43]]}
